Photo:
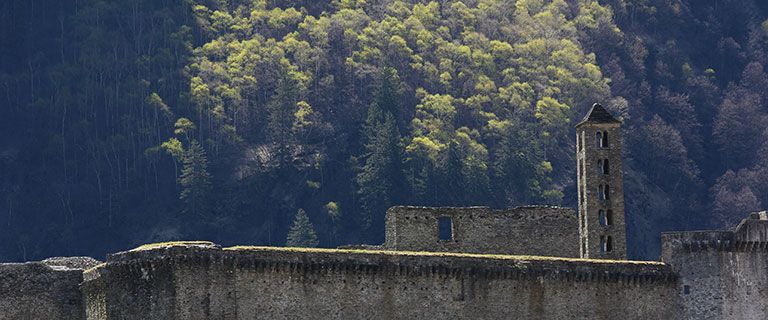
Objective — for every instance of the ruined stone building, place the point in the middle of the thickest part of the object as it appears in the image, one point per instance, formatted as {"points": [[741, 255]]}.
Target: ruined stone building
{"points": [[531, 262]]}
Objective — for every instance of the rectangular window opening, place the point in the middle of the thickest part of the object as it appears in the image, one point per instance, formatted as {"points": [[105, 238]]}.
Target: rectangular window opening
{"points": [[445, 228], [602, 244]]}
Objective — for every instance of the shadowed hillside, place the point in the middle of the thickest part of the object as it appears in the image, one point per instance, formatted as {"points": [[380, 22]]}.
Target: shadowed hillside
{"points": [[126, 122]]}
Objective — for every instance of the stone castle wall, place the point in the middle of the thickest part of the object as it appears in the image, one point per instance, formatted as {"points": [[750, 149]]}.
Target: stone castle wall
{"points": [[722, 274], [533, 230], [181, 282], [42, 290]]}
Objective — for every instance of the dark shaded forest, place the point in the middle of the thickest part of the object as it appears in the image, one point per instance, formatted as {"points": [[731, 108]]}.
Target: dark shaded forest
{"points": [[272, 121]]}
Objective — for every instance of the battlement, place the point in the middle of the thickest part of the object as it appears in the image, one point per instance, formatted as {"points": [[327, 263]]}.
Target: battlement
{"points": [[698, 240], [721, 273], [308, 260], [754, 228], [529, 230], [750, 235], [285, 283]]}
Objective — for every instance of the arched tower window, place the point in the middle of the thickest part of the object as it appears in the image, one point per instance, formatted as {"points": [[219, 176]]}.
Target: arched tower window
{"points": [[600, 166], [609, 217], [605, 168], [602, 244], [607, 194], [601, 217], [606, 244], [601, 192], [599, 139], [604, 143]]}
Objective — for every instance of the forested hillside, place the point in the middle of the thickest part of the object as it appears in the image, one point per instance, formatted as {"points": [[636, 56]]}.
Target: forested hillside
{"points": [[274, 121]]}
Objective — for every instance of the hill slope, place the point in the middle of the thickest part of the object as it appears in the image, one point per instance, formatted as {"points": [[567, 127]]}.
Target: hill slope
{"points": [[138, 121]]}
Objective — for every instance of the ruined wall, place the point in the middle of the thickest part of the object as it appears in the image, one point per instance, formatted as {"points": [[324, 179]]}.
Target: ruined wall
{"points": [[181, 282], [534, 230], [42, 290], [723, 274]]}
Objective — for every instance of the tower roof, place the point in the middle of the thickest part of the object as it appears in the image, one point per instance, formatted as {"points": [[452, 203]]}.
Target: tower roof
{"points": [[598, 114]]}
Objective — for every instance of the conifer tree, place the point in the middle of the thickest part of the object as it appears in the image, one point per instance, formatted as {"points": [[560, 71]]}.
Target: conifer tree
{"points": [[195, 180], [302, 233], [381, 173], [281, 117], [387, 95], [453, 183], [381, 180], [517, 178]]}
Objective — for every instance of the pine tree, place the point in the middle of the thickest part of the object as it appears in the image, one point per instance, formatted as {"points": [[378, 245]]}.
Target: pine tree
{"points": [[302, 233], [517, 178], [381, 174], [195, 180], [453, 182], [381, 180], [281, 117], [387, 96]]}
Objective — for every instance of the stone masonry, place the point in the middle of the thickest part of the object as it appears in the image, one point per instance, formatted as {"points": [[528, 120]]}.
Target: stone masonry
{"points": [[207, 282], [548, 231], [43, 290], [600, 186], [723, 274]]}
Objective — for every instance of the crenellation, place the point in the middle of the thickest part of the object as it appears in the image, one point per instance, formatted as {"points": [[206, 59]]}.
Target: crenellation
{"points": [[460, 278]]}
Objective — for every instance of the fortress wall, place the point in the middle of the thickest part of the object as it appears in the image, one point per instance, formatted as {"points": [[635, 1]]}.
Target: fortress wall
{"points": [[535, 230], [41, 290], [721, 276], [140, 290], [285, 283]]}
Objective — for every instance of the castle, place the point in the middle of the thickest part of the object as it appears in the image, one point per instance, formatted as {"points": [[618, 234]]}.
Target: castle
{"points": [[533, 262]]}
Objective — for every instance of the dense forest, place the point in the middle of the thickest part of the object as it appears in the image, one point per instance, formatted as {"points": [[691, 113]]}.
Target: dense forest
{"points": [[299, 122]]}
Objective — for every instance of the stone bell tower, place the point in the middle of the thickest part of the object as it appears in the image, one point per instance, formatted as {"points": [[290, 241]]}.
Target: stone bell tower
{"points": [[602, 231]]}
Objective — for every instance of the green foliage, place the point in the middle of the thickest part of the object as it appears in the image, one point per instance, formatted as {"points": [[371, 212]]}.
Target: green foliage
{"points": [[302, 233], [174, 147], [333, 210], [183, 127], [378, 177], [195, 180], [367, 104]]}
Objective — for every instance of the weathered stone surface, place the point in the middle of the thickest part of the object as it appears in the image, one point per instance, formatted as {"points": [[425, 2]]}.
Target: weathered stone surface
{"points": [[41, 290], [276, 283], [723, 274], [600, 239], [532, 230], [78, 263]]}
